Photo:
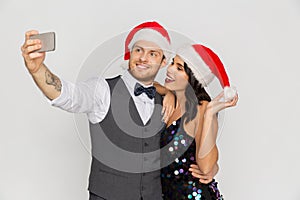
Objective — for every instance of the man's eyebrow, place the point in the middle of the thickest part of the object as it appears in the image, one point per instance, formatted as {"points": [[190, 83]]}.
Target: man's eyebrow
{"points": [[154, 50], [151, 48], [137, 46]]}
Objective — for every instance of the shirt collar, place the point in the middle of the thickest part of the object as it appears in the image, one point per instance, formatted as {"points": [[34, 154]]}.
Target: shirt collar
{"points": [[130, 82]]}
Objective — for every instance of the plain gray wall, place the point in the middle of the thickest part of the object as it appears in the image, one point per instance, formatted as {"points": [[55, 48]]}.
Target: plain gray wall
{"points": [[45, 153]]}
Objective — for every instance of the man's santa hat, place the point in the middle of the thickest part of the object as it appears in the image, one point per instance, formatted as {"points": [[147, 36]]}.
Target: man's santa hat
{"points": [[206, 65], [152, 32]]}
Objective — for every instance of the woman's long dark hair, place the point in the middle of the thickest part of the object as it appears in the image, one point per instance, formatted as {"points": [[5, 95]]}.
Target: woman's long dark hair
{"points": [[194, 93]]}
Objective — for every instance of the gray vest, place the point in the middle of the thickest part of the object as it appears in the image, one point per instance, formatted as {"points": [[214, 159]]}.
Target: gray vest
{"points": [[126, 153]]}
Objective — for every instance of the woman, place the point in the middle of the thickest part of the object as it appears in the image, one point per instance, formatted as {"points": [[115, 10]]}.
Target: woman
{"points": [[190, 137]]}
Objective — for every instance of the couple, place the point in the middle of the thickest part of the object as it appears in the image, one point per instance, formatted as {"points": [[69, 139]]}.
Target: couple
{"points": [[127, 135]]}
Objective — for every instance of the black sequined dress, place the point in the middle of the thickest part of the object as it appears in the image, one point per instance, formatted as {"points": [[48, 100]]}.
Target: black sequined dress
{"points": [[177, 154]]}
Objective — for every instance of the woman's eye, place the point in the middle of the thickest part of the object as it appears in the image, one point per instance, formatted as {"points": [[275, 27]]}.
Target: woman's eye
{"points": [[179, 68]]}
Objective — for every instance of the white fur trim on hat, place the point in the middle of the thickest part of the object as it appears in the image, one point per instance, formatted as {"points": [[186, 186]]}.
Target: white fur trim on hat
{"points": [[152, 36], [200, 70]]}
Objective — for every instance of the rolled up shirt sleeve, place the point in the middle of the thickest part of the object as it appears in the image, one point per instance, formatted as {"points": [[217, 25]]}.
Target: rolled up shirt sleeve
{"points": [[91, 97]]}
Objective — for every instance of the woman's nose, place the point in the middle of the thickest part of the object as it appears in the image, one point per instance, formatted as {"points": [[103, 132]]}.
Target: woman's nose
{"points": [[170, 68]]}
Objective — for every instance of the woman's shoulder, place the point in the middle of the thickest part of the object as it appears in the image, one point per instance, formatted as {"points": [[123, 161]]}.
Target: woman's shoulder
{"points": [[204, 102], [199, 116]]}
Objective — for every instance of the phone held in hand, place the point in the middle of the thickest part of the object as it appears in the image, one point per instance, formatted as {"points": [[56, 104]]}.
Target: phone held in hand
{"points": [[47, 40]]}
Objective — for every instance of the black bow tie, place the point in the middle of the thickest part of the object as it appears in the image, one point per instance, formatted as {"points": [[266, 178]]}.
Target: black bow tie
{"points": [[139, 89]]}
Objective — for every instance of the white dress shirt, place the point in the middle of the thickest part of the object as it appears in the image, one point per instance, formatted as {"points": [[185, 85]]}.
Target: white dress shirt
{"points": [[93, 98]]}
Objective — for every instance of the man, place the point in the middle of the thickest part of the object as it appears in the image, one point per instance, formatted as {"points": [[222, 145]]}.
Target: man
{"points": [[124, 114]]}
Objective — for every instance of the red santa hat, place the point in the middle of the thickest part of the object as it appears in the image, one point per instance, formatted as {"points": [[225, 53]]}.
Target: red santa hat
{"points": [[206, 65], [152, 32]]}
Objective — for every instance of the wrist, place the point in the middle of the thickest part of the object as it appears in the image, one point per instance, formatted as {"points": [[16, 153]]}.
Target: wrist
{"points": [[36, 71], [209, 115]]}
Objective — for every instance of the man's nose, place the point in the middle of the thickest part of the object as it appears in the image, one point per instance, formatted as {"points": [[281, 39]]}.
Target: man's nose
{"points": [[144, 57]]}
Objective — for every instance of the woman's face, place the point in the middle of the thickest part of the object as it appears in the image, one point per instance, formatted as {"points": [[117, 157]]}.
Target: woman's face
{"points": [[176, 79]]}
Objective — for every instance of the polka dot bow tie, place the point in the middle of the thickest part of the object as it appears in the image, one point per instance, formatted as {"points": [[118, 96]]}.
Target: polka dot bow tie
{"points": [[139, 89]]}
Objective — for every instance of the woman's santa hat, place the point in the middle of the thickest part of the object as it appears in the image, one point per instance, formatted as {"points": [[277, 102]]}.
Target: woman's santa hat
{"points": [[206, 65], [152, 32]]}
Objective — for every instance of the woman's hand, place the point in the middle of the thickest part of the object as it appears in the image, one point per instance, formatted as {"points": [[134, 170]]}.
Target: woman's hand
{"points": [[168, 102], [216, 105], [168, 106], [204, 178]]}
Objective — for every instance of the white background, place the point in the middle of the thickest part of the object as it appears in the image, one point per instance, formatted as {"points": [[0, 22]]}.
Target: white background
{"points": [[41, 153]]}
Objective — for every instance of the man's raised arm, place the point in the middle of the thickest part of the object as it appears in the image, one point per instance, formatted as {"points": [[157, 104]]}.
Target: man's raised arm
{"points": [[48, 83]]}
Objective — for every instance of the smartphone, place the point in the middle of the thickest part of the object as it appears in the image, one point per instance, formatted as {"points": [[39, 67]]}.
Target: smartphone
{"points": [[47, 40]]}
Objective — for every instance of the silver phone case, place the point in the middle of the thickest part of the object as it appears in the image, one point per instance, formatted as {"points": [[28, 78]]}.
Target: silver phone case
{"points": [[47, 40]]}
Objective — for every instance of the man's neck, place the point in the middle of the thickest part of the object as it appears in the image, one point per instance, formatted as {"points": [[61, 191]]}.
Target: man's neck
{"points": [[145, 83]]}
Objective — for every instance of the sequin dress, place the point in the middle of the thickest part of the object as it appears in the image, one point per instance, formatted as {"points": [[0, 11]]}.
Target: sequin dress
{"points": [[177, 154]]}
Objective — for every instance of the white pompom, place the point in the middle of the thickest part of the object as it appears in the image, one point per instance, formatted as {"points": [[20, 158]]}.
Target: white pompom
{"points": [[229, 93]]}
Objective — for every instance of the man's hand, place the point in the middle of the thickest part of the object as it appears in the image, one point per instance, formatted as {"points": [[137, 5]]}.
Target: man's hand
{"points": [[48, 82], [204, 178], [33, 60]]}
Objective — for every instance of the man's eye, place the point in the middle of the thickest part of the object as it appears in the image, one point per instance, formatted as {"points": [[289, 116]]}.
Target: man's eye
{"points": [[153, 54], [137, 49], [179, 68]]}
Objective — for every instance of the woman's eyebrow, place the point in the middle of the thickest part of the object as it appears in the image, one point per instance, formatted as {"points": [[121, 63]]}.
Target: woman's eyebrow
{"points": [[179, 64]]}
